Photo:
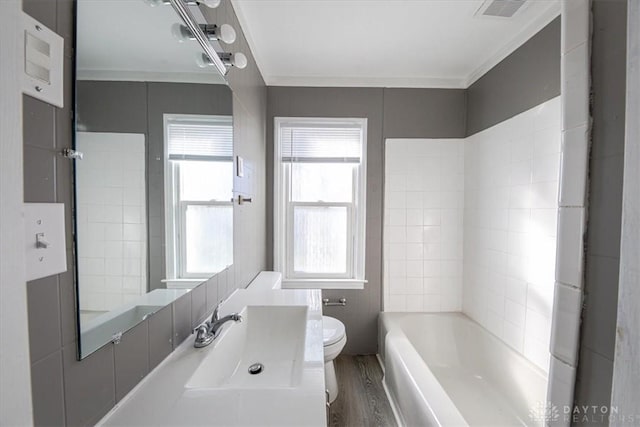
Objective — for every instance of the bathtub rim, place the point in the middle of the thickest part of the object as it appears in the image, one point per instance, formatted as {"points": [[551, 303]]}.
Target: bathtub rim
{"points": [[389, 325]]}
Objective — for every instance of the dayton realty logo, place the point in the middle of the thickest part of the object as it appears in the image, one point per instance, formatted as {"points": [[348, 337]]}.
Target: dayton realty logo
{"points": [[545, 412]]}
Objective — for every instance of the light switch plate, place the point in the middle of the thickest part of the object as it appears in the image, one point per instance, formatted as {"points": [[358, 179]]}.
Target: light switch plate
{"points": [[43, 62], [44, 223]]}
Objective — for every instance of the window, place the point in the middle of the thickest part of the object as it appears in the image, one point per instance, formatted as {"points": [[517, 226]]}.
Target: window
{"points": [[198, 192], [319, 198]]}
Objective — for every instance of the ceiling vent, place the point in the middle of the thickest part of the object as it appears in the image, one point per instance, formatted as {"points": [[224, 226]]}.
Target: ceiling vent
{"points": [[500, 8]]}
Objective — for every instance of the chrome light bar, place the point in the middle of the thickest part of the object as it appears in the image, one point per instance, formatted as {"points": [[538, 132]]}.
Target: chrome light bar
{"points": [[190, 21]]}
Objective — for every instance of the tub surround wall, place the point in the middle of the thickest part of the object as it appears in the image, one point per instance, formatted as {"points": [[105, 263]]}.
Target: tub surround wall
{"points": [[505, 180], [66, 391], [423, 224], [573, 202], [510, 210]]}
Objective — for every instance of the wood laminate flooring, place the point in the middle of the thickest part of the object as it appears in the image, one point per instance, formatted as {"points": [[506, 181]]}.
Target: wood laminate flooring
{"points": [[361, 400]]}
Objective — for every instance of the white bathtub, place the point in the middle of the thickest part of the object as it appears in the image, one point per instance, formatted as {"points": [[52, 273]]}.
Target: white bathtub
{"points": [[443, 369]]}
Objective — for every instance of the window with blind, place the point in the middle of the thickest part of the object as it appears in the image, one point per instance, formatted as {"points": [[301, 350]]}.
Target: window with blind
{"points": [[319, 198], [198, 192]]}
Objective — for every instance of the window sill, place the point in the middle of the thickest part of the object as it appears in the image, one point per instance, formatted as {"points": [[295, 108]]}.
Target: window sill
{"points": [[323, 284]]}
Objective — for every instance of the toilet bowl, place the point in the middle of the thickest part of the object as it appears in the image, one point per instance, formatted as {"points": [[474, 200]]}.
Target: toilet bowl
{"points": [[334, 340]]}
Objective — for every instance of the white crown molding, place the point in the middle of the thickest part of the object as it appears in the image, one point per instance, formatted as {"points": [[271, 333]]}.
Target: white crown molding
{"points": [[394, 82], [211, 77], [527, 32]]}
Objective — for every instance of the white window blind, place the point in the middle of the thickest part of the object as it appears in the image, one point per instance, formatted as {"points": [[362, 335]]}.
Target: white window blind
{"points": [[314, 144], [193, 139]]}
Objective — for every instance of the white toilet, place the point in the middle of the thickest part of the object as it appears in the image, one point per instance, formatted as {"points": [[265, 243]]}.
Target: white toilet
{"points": [[334, 340]]}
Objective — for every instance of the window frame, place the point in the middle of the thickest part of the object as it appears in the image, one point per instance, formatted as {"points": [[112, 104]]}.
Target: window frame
{"points": [[284, 207], [175, 209]]}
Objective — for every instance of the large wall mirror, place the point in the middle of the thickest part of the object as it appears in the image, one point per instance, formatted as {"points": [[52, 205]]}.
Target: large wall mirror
{"points": [[153, 210]]}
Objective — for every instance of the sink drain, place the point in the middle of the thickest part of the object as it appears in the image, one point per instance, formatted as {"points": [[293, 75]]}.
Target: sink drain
{"points": [[256, 368]]}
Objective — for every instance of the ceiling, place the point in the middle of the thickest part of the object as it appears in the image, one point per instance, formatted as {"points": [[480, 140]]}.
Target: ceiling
{"points": [[383, 43], [130, 40]]}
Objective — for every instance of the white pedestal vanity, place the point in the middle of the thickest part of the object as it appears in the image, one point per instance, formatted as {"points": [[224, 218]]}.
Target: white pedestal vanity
{"points": [[267, 369]]}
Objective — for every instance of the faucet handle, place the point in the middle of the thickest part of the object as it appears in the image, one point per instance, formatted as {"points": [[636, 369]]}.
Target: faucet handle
{"points": [[200, 330], [215, 315], [203, 336]]}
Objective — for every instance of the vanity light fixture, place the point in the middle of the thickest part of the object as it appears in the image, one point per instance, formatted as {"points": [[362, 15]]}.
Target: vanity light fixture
{"points": [[181, 8], [224, 33], [209, 3], [238, 60]]}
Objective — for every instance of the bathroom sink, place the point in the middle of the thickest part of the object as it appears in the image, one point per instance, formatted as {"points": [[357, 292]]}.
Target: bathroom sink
{"points": [[269, 341]]}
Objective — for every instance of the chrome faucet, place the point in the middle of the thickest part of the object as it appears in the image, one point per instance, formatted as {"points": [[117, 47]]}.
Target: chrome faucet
{"points": [[209, 330]]}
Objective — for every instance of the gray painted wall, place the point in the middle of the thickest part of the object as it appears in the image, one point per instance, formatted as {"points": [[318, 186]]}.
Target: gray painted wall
{"points": [[138, 107], [598, 331], [361, 314], [15, 366], [626, 368], [421, 113], [71, 392], [527, 77], [249, 128], [382, 108]]}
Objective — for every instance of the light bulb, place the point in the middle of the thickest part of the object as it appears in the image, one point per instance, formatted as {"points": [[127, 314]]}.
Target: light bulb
{"points": [[210, 3], [227, 34], [203, 60], [239, 60], [180, 32]]}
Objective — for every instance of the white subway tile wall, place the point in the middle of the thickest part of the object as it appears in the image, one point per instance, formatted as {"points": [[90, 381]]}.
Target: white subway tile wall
{"points": [[576, 129], [423, 237], [510, 216], [111, 216]]}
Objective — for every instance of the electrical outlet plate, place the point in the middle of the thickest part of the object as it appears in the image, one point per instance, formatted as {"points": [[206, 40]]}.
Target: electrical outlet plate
{"points": [[43, 62], [44, 239]]}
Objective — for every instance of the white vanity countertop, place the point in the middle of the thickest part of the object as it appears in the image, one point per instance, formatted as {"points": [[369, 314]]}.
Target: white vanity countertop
{"points": [[162, 398]]}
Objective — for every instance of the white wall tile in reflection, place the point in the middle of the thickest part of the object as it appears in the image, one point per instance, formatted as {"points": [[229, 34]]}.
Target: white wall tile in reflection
{"points": [[111, 215]]}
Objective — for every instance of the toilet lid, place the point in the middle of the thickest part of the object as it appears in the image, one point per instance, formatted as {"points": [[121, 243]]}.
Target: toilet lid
{"points": [[333, 330]]}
